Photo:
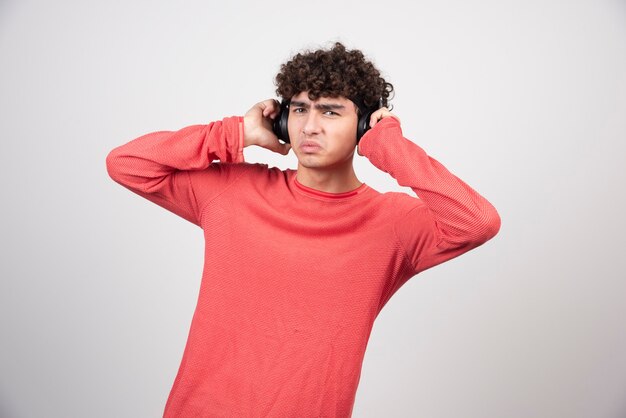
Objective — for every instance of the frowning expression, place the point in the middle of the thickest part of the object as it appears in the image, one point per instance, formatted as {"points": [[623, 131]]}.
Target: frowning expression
{"points": [[322, 131]]}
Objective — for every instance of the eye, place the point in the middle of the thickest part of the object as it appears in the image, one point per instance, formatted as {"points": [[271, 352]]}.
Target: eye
{"points": [[331, 113], [298, 109]]}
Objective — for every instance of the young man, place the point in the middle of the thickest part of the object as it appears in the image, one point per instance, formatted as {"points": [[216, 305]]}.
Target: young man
{"points": [[298, 263]]}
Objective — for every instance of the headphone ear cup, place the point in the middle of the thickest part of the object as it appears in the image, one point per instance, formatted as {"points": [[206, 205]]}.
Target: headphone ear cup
{"points": [[363, 125], [280, 123]]}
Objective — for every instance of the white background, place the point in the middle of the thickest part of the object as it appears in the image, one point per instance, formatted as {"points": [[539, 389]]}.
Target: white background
{"points": [[524, 100]]}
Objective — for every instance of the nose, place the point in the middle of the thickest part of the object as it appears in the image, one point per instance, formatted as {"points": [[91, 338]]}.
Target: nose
{"points": [[311, 125]]}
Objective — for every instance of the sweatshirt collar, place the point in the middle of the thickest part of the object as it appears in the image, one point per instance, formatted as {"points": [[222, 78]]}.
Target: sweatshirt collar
{"points": [[320, 194]]}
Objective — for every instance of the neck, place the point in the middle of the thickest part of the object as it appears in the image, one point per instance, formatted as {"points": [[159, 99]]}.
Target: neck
{"points": [[328, 180]]}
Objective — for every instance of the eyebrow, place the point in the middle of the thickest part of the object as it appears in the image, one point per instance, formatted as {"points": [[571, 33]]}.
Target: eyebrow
{"points": [[322, 106]]}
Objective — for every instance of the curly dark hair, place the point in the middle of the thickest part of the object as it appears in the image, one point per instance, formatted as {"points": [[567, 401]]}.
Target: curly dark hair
{"points": [[332, 73]]}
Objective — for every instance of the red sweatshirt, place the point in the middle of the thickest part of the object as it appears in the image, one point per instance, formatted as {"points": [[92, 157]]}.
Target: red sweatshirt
{"points": [[294, 277]]}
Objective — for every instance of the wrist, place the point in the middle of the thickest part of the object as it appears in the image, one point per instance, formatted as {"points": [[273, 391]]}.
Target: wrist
{"points": [[244, 131], [247, 129]]}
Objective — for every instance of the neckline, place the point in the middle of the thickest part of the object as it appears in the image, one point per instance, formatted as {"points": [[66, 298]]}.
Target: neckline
{"points": [[320, 194]]}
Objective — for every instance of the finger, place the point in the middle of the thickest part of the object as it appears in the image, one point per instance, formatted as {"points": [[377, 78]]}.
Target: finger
{"points": [[378, 115], [266, 108], [275, 109], [381, 113], [374, 119], [271, 108]]}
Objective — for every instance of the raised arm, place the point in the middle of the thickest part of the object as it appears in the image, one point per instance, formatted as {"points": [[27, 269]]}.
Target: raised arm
{"points": [[175, 169], [449, 218]]}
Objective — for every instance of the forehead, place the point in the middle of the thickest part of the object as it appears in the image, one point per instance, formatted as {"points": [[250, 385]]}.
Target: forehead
{"points": [[304, 97]]}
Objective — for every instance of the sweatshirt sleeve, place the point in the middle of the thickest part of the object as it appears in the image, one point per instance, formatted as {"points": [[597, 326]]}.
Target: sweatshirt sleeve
{"points": [[175, 169], [449, 218]]}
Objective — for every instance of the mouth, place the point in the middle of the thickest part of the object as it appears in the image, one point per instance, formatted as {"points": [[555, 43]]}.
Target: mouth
{"points": [[310, 146]]}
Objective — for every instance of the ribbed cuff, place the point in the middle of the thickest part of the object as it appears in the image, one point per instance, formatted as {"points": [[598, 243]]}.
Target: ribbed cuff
{"points": [[233, 129]]}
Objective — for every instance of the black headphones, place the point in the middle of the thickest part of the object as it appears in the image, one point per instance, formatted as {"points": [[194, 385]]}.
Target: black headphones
{"points": [[363, 125]]}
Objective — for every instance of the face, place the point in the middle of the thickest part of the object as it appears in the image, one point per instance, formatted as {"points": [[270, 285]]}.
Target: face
{"points": [[322, 132]]}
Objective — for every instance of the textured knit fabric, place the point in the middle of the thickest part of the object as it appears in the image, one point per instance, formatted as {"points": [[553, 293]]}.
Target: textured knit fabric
{"points": [[294, 277]]}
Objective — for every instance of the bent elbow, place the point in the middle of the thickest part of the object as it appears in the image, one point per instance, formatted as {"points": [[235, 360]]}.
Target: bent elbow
{"points": [[112, 165], [489, 226], [494, 224], [118, 167]]}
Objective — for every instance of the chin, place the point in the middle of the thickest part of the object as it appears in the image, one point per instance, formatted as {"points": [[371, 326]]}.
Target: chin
{"points": [[323, 161], [311, 164]]}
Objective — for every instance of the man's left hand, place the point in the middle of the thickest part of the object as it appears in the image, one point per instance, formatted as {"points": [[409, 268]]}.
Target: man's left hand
{"points": [[377, 116]]}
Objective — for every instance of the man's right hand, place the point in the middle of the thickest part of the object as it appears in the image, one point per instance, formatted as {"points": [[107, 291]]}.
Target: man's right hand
{"points": [[257, 127]]}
